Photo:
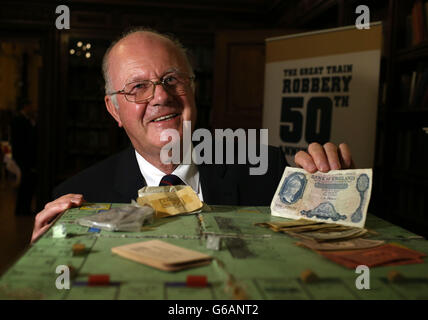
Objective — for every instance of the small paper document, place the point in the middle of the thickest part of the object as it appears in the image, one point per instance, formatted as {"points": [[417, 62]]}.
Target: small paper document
{"points": [[162, 255], [169, 200], [339, 196]]}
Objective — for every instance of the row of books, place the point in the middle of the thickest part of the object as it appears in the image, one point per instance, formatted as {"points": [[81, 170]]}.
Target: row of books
{"points": [[410, 203], [400, 198], [414, 88], [85, 82], [90, 140], [411, 152], [91, 112], [417, 23]]}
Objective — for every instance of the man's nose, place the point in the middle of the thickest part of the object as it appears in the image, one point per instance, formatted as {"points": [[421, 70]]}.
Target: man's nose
{"points": [[160, 95]]}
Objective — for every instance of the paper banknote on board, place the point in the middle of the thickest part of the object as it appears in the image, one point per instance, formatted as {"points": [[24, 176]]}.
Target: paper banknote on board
{"points": [[339, 196], [169, 200]]}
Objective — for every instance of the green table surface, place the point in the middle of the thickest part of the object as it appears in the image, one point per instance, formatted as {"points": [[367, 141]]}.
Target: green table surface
{"points": [[265, 264]]}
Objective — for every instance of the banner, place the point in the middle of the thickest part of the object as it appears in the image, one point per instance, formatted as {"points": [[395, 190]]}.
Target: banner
{"points": [[323, 86]]}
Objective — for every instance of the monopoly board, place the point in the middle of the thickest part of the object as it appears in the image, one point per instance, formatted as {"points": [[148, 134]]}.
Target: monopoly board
{"points": [[262, 264]]}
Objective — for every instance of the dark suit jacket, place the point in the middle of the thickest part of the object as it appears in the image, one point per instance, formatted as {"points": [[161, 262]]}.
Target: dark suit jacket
{"points": [[118, 179], [23, 140]]}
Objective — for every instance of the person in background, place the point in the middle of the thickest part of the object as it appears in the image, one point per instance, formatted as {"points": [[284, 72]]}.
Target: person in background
{"points": [[24, 152]]}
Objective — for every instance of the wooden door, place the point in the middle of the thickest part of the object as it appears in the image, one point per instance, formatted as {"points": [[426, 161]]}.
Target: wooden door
{"points": [[239, 69]]}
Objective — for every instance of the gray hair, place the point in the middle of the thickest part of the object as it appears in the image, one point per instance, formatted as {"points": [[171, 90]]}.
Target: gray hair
{"points": [[105, 63]]}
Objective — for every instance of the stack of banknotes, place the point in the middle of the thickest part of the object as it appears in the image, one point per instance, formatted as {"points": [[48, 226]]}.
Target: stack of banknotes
{"points": [[345, 245], [170, 200], [323, 236]]}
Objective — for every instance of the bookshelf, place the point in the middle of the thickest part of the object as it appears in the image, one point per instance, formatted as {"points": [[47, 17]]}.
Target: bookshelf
{"points": [[401, 172], [87, 130]]}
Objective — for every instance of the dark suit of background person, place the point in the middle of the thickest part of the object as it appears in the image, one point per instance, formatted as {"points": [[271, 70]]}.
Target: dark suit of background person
{"points": [[24, 151], [118, 179]]}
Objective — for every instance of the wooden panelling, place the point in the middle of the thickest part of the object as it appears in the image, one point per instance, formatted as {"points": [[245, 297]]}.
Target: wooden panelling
{"points": [[239, 78]]}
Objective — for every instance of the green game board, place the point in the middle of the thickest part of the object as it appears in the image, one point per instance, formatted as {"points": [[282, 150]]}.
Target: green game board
{"points": [[266, 265]]}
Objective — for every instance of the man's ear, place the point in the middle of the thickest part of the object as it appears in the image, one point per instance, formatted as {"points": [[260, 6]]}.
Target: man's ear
{"points": [[111, 108]]}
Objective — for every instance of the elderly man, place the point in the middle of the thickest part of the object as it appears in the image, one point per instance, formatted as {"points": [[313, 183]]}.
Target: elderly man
{"points": [[149, 88]]}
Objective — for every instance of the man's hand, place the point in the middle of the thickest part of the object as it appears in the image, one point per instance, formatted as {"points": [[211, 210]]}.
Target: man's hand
{"points": [[325, 158], [45, 217]]}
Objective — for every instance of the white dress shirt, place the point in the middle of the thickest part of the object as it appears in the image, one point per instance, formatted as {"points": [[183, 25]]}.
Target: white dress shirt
{"points": [[187, 172]]}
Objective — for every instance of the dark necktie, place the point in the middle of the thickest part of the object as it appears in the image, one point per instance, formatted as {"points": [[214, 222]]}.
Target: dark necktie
{"points": [[170, 180]]}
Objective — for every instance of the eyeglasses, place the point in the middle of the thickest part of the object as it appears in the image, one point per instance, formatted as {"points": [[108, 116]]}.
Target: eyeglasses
{"points": [[143, 90]]}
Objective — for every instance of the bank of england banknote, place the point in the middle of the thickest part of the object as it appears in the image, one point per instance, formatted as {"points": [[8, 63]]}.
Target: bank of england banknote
{"points": [[339, 196]]}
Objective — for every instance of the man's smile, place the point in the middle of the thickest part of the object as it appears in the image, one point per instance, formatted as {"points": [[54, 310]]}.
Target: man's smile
{"points": [[166, 117]]}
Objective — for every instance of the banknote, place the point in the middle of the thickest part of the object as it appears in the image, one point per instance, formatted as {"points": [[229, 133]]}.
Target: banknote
{"points": [[339, 196], [287, 224], [300, 225], [315, 231], [162, 189], [329, 236], [169, 200], [352, 244]]}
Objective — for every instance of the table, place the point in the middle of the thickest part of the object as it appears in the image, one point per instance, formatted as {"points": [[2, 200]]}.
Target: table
{"points": [[264, 264]]}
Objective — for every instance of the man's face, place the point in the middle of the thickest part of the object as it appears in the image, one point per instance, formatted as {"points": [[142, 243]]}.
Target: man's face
{"points": [[144, 56]]}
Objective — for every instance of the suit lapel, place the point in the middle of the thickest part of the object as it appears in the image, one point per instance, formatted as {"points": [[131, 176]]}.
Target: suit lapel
{"points": [[128, 177], [217, 186]]}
